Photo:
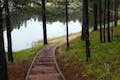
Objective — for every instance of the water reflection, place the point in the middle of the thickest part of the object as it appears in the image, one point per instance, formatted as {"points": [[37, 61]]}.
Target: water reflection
{"points": [[24, 36], [27, 25], [20, 16]]}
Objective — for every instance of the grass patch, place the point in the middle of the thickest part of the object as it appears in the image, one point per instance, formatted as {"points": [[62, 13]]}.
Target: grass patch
{"points": [[25, 54], [104, 63], [23, 57]]}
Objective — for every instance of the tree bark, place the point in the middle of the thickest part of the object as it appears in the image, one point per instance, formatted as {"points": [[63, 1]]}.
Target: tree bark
{"points": [[95, 16], [2, 51], [100, 20], [67, 30], [8, 25], [116, 12], [83, 24], [86, 22], [83, 33], [104, 33], [108, 21], [44, 22]]}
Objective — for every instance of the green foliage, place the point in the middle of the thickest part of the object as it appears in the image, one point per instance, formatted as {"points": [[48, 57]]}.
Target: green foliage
{"points": [[20, 3]]}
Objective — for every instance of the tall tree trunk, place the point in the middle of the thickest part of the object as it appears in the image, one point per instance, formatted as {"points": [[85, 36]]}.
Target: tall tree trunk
{"points": [[95, 16], [44, 22], [83, 32], [116, 12], [104, 33], [83, 25], [100, 19], [112, 23], [67, 30], [8, 25], [108, 21], [2, 51], [116, 16], [86, 22], [112, 27]]}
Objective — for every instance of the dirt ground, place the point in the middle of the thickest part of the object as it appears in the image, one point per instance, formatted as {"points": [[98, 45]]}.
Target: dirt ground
{"points": [[18, 70]]}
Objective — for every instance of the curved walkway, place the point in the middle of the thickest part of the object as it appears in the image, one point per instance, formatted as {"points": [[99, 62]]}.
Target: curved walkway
{"points": [[44, 66]]}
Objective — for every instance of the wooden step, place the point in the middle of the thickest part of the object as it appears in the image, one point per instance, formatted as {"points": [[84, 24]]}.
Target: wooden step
{"points": [[43, 70], [45, 63], [45, 60], [54, 76]]}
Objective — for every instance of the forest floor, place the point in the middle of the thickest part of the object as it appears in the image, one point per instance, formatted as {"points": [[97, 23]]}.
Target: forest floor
{"points": [[104, 63]]}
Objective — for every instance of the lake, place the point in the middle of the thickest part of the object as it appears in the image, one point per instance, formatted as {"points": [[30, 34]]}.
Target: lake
{"points": [[26, 24], [32, 31]]}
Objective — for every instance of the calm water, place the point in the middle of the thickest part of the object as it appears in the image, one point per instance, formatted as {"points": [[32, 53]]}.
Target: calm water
{"points": [[32, 31], [26, 24]]}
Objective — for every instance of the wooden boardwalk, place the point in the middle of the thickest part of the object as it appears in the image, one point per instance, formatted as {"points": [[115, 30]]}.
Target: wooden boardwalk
{"points": [[44, 66]]}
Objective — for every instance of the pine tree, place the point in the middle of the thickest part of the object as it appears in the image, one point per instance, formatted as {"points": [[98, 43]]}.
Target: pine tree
{"points": [[104, 33], [100, 19], [67, 31], [8, 25], [44, 22], [95, 7], [86, 24], [116, 12], [83, 24], [2, 51], [108, 21]]}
